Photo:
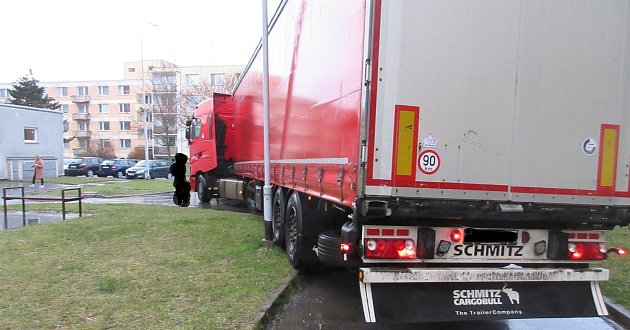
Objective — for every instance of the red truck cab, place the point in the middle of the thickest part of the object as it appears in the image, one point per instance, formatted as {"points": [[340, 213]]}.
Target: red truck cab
{"points": [[208, 133]]}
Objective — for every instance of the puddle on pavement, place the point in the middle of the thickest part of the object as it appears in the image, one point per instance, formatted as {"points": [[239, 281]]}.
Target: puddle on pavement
{"points": [[15, 219]]}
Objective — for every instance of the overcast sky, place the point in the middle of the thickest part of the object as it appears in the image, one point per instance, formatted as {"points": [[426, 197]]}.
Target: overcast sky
{"points": [[89, 40]]}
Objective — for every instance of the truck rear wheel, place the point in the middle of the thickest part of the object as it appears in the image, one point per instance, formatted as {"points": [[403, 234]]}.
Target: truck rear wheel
{"points": [[278, 208], [203, 193], [299, 238]]}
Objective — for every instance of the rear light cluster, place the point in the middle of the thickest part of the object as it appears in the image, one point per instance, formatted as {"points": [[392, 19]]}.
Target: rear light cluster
{"points": [[82, 165], [389, 243], [586, 246]]}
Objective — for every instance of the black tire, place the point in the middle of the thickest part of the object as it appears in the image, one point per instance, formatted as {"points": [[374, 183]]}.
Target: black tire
{"points": [[120, 174], [300, 238], [89, 173], [277, 217], [203, 193]]}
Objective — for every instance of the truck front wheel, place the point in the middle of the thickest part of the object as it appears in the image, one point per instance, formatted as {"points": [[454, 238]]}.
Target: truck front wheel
{"points": [[299, 240], [203, 193]]}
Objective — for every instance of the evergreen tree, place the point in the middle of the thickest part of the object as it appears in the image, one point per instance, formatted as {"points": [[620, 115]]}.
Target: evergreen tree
{"points": [[27, 92]]}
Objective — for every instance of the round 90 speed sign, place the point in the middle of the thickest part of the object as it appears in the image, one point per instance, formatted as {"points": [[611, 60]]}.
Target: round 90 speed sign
{"points": [[429, 162]]}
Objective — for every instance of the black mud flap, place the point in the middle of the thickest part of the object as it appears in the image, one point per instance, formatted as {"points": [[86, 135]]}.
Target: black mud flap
{"points": [[463, 301]]}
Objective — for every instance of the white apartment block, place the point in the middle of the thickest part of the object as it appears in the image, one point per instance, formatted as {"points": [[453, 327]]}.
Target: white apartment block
{"points": [[110, 112]]}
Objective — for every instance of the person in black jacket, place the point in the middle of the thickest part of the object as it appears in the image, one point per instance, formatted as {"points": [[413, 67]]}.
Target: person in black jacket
{"points": [[181, 196]]}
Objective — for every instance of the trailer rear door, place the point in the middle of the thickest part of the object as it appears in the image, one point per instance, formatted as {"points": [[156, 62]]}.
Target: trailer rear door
{"points": [[524, 101]]}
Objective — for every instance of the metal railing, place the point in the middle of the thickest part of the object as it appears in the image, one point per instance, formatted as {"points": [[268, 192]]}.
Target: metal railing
{"points": [[23, 198]]}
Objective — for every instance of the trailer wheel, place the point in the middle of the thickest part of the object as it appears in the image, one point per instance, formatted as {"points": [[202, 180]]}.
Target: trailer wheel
{"points": [[299, 239], [202, 189], [279, 206]]}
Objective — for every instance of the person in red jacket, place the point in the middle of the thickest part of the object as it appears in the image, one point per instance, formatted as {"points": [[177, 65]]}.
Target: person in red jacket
{"points": [[38, 172]]}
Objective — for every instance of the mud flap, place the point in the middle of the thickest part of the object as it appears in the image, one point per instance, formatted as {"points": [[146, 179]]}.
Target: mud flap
{"points": [[480, 294]]}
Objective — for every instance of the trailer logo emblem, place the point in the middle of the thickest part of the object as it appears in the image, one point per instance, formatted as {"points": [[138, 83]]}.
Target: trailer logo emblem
{"points": [[485, 297], [589, 146], [429, 162]]}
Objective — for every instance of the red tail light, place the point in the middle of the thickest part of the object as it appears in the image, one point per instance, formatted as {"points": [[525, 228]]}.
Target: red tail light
{"points": [[82, 165], [387, 248], [586, 251], [345, 247], [456, 235], [114, 167]]}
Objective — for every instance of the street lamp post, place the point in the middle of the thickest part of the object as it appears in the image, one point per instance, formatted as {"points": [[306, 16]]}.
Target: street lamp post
{"points": [[144, 114]]}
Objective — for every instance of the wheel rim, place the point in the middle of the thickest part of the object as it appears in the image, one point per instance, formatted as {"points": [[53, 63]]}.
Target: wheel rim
{"points": [[291, 230], [90, 173], [120, 175], [200, 188], [277, 223]]}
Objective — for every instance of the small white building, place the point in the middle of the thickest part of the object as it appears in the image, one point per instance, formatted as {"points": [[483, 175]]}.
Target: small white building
{"points": [[24, 132]]}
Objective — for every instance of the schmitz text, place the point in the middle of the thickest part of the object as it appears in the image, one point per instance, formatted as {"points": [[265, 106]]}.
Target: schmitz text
{"points": [[489, 250]]}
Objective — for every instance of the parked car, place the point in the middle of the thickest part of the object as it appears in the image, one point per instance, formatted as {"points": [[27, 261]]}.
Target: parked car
{"points": [[115, 167], [67, 161], [157, 169], [87, 166]]}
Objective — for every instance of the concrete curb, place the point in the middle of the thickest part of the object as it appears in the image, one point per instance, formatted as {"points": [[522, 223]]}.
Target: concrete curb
{"points": [[618, 313], [270, 306]]}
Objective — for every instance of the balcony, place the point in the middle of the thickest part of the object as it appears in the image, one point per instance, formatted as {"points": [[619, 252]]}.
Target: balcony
{"points": [[161, 130], [162, 151], [83, 134], [80, 151], [80, 98], [80, 116]]}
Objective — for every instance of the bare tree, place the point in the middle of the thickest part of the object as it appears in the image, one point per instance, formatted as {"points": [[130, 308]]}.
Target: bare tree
{"points": [[191, 96]]}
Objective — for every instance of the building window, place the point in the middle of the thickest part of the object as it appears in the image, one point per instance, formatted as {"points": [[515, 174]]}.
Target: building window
{"points": [[104, 143], [125, 126], [84, 143], [84, 126], [83, 90], [66, 145], [30, 135], [103, 125], [218, 79], [4, 92], [62, 91], [124, 108], [103, 90], [66, 125], [123, 90], [132, 69], [64, 108], [192, 79], [83, 108], [125, 143], [103, 108]]}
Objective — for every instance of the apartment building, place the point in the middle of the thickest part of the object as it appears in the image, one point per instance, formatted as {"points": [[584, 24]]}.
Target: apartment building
{"points": [[100, 114]]}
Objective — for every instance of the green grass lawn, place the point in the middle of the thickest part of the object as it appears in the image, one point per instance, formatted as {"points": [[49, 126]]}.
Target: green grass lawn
{"points": [[138, 267], [618, 288]]}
